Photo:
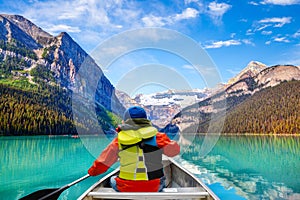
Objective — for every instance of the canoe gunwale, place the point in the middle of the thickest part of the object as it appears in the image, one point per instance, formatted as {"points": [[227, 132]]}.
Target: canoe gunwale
{"points": [[203, 189], [149, 195], [98, 183]]}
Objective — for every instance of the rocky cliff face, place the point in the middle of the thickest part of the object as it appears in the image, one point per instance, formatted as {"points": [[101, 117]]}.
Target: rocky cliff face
{"points": [[64, 57], [251, 70], [60, 55], [272, 76], [11, 32], [35, 32], [251, 80]]}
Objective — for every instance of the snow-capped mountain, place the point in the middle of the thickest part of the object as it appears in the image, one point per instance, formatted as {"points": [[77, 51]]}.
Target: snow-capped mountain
{"points": [[163, 106], [170, 97]]}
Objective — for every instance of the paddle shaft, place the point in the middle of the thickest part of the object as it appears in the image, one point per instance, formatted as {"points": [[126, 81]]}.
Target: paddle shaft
{"points": [[65, 187], [51, 194]]}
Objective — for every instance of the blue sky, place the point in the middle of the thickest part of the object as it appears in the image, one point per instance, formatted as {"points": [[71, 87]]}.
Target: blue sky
{"points": [[233, 32]]}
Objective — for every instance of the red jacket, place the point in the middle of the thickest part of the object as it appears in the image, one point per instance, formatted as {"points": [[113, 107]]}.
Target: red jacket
{"points": [[110, 155]]}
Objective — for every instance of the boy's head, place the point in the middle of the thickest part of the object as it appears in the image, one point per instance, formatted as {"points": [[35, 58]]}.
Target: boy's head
{"points": [[134, 112]]}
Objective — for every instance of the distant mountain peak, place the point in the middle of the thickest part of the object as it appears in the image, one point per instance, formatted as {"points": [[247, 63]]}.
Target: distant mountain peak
{"points": [[63, 34], [65, 37], [40, 58], [35, 32], [12, 32], [255, 66], [252, 69]]}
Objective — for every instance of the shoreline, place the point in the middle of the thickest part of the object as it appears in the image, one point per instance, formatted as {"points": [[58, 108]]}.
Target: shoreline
{"points": [[183, 134], [253, 134]]}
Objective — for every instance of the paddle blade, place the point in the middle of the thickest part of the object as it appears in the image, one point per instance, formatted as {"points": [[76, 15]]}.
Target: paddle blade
{"points": [[51, 194], [42, 193]]}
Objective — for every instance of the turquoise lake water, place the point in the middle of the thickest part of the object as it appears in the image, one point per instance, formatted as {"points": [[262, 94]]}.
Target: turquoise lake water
{"points": [[236, 168]]}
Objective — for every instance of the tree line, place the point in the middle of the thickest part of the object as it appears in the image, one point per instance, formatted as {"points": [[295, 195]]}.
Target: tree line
{"points": [[45, 111], [274, 110], [34, 112], [18, 48]]}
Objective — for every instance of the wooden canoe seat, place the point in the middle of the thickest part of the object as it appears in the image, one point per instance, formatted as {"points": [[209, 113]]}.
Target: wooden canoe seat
{"points": [[168, 193]]}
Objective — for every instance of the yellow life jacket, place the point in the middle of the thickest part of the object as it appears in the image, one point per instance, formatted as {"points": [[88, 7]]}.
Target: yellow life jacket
{"points": [[132, 160]]}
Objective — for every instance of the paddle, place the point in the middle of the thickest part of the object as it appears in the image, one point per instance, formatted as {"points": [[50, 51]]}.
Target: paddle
{"points": [[53, 193]]}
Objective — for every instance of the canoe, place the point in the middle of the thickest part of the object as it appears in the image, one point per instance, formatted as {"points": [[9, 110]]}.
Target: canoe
{"points": [[180, 184]]}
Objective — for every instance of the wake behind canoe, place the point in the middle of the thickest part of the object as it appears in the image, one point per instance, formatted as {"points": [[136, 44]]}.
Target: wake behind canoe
{"points": [[180, 184]]}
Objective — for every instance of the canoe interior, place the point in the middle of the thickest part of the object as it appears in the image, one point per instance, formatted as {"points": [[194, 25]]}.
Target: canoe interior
{"points": [[177, 178]]}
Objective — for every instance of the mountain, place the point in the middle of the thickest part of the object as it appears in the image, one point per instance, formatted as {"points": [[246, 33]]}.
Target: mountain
{"points": [[194, 109], [27, 27], [255, 85], [251, 70], [33, 62], [266, 77], [272, 76], [274, 110], [182, 98], [163, 106], [12, 33]]}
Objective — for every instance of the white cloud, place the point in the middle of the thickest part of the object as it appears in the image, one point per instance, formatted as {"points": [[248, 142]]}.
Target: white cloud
{"points": [[102, 18], [249, 32], [55, 29], [281, 39], [297, 34], [191, 1], [154, 21], [281, 2], [266, 32], [220, 44], [232, 35], [278, 22], [253, 3], [227, 43], [243, 20], [264, 26], [187, 14], [268, 42], [198, 3], [82, 13], [158, 21], [248, 42], [217, 10], [275, 22]]}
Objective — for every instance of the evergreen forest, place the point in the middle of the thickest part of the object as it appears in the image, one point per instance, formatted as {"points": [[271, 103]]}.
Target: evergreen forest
{"points": [[44, 111], [274, 110]]}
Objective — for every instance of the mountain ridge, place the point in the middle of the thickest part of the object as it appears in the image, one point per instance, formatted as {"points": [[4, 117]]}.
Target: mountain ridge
{"points": [[235, 94], [37, 33], [272, 110], [33, 60], [60, 54], [252, 69], [10, 32], [254, 78]]}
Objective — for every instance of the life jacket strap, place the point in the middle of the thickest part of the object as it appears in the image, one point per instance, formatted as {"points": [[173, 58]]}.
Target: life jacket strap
{"points": [[141, 144]]}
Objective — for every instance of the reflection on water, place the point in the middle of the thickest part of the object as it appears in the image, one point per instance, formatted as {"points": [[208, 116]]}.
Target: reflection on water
{"points": [[252, 167], [32, 163], [256, 167]]}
